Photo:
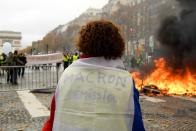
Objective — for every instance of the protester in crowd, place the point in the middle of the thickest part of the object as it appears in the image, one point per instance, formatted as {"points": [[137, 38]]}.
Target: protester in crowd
{"points": [[75, 57], [3, 57], [14, 72], [96, 93], [70, 60], [23, 60], [16, 62], [19, 69], [65, 61], [8, 62]]}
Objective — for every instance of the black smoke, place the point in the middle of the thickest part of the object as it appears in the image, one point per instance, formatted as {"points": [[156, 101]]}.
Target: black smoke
{"points": [[177, 35]]}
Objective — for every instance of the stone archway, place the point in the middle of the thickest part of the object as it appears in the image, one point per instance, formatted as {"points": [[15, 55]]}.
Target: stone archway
{"points": [[14, 38]]}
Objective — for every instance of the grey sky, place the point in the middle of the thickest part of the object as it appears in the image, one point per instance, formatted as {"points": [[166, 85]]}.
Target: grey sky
{"points": [[35, 18]]}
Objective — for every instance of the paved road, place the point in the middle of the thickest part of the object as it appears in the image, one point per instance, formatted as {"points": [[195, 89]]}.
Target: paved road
{"points": [[175, 114], [159, 113]]}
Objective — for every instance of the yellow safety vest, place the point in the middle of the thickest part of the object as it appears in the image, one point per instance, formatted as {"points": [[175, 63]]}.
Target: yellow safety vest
{"points": [[65, 58], [1, 59], [94, 99], [75, 57]]}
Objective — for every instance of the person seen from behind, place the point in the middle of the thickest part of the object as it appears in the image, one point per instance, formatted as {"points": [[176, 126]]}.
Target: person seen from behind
{"points": [[96, 93], [3, 57], [8, 62], [65, 61], [23, 60], [75, 57], [16, 63]]}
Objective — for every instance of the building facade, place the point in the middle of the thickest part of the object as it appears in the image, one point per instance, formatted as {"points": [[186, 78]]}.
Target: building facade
{"points": [[145, 17]]}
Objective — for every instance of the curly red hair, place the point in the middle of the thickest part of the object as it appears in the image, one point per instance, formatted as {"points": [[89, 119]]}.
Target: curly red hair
{"points": [[101, 38]]}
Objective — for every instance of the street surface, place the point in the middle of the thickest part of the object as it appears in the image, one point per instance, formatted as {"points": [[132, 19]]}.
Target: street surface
{"points": [[159, 113]]}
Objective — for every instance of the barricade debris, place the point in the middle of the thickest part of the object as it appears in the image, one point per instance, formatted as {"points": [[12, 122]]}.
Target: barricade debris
{"points": [[151, 90]]}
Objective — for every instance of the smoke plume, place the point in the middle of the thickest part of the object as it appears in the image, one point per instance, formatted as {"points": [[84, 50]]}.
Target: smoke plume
{"points": [[177, 34]]}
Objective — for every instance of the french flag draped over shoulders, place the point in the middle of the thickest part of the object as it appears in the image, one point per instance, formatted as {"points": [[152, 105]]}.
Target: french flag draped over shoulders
{"points": [[135, 123]]}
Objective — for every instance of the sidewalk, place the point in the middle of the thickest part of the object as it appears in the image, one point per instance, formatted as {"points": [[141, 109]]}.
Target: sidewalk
{"points": [[159, 113]]}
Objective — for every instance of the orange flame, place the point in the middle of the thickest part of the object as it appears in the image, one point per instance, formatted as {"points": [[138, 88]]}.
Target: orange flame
{"points": [[168, 81]]}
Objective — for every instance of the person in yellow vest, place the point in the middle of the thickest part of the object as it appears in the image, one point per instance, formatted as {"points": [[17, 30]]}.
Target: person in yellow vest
{"points": [[70, 60], [1, 63], [65, 61], [1, 59], [4, 58], [96, 93], [75, 57]]}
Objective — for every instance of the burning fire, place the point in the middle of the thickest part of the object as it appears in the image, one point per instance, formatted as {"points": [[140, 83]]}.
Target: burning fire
{"points": [[167, 81]]}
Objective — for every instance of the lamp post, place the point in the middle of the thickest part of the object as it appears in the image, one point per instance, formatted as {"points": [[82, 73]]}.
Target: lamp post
{"points": [[47, 48]]}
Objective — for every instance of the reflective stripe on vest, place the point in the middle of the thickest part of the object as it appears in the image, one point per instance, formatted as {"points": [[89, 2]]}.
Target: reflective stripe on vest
{"points": [[94, 99]]}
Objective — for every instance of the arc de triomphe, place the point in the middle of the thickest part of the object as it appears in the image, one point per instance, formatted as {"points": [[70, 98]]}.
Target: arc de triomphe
{"points": [[14, 38]]}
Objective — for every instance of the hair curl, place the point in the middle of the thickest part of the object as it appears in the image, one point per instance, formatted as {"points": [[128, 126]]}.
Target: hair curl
{"points": [[101, 38]]}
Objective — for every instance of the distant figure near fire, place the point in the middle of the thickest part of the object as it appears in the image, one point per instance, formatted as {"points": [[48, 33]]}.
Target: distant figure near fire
{"points": [[96, 93]]}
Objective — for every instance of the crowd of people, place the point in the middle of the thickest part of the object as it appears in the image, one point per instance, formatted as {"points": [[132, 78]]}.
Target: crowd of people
{"points": [[68, 59], [95, 92], [13, 65]]}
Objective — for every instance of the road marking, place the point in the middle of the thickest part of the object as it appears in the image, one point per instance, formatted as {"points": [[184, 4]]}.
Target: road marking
{"points": [[32, 104], [186, 98], [152, 99]]}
